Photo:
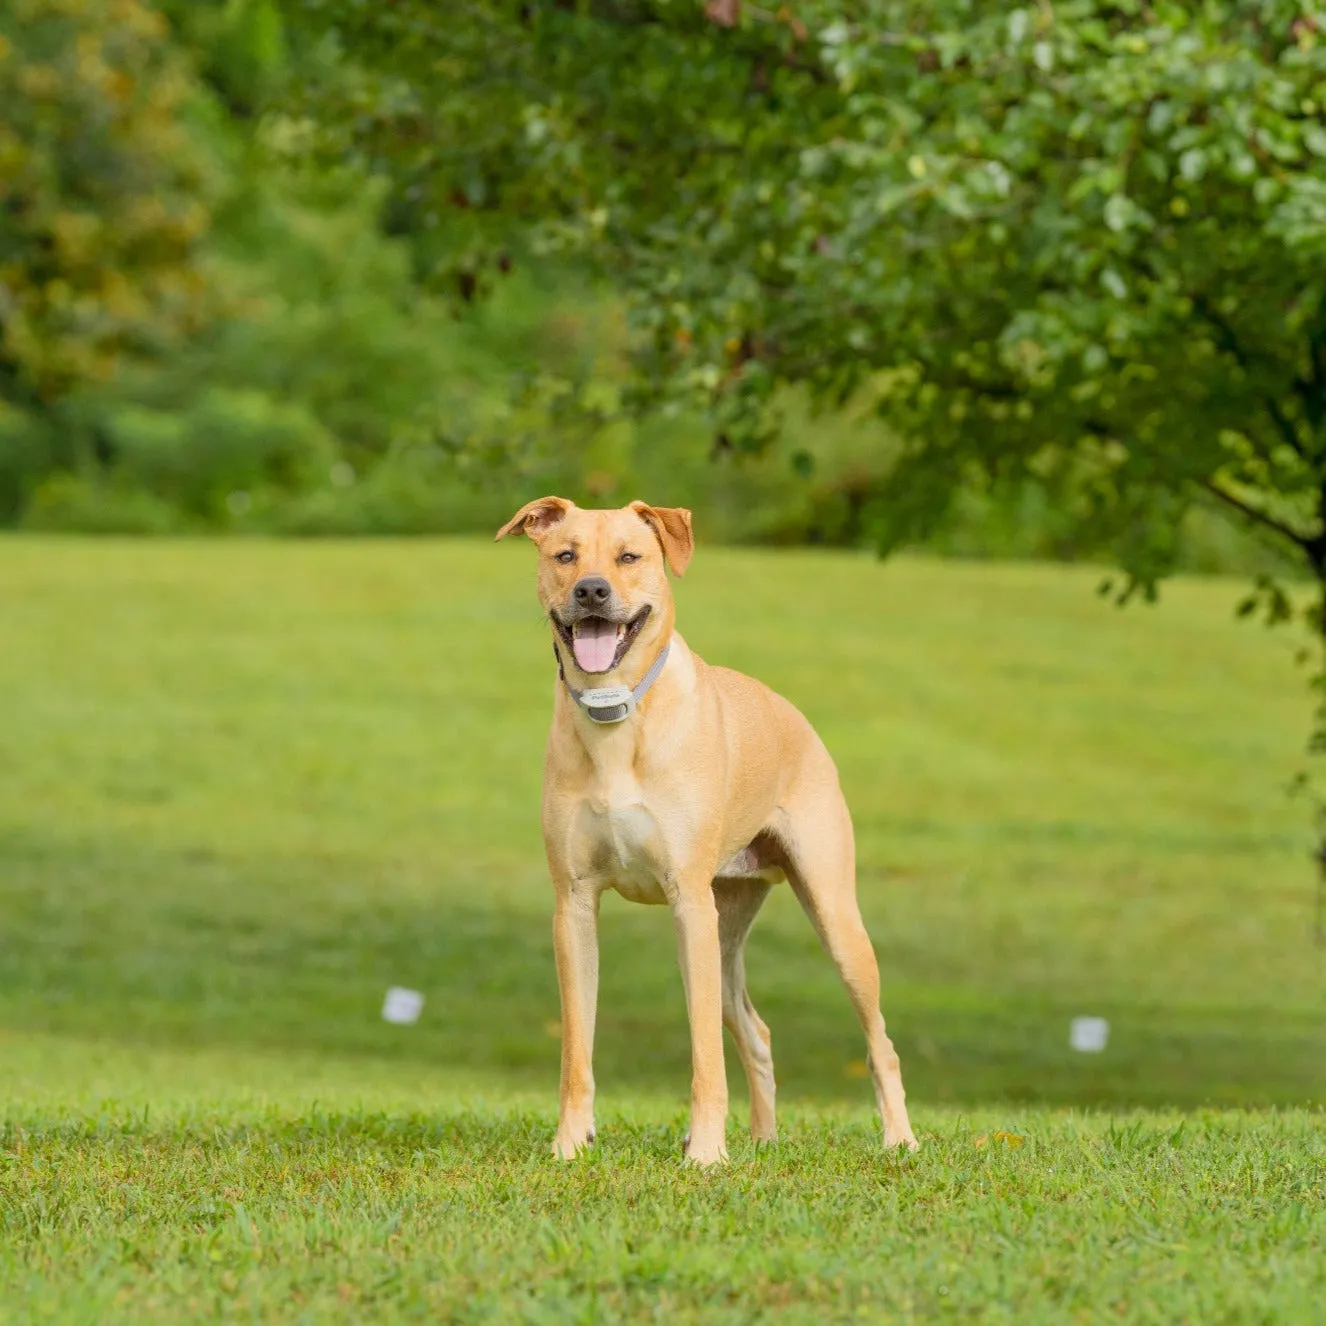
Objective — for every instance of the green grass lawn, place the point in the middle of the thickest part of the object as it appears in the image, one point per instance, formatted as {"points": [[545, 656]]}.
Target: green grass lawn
{"points": [[244, 787]]}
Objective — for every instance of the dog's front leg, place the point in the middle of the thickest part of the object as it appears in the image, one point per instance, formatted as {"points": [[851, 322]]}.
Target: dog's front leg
{"points": [[696, 917], [576, 942]]}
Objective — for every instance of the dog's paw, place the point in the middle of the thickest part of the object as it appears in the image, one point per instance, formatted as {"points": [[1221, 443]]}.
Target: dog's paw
{"points": [[568, 1143], [713, 1152], [905, 1141]]}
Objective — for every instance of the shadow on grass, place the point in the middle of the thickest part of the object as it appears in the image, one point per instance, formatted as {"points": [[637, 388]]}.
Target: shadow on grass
{"points": [[197, 949]]}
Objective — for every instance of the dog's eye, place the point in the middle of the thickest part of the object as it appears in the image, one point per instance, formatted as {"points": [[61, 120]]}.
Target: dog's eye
{"points": [[566, 556], [627, 558]]}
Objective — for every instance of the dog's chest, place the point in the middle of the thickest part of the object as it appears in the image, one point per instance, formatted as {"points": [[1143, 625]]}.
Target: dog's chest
{"points": [[625, 841]]}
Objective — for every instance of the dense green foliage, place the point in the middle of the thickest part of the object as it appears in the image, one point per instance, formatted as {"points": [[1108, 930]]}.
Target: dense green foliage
{"points": [[268, 357], [106, 189], [105, 194], [1084, 242], [192, 332], [239, 797]]}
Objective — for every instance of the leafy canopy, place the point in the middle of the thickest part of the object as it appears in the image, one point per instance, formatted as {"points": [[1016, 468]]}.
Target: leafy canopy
{"points": [[1086, 240]]}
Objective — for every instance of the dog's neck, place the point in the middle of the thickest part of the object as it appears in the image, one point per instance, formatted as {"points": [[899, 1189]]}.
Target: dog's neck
{"points": [[613, 704]]}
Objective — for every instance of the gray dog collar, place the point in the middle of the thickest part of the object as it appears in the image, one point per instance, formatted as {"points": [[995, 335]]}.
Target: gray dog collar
{"points": [[611, 704]]}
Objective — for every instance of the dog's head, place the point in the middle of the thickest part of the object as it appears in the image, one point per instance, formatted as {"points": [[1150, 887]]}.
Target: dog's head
{"points": [[602, 577]]}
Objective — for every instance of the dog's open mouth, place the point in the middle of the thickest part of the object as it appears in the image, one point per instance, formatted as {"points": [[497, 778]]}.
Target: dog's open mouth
{"points": [[598, 644]]}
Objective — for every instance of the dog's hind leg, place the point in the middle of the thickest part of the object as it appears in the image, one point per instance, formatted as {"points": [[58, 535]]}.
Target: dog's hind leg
{"points": [[821, 867], [738, 900]]}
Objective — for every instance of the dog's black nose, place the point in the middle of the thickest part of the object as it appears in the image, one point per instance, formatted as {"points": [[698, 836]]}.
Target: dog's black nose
{"points": [[592, 592]]}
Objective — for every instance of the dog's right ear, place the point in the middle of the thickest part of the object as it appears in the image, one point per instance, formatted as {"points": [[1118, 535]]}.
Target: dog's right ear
{"points": [[536, 518]]}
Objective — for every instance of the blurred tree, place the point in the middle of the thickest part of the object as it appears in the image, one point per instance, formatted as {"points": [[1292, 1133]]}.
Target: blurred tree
{"points": [[106, 190], [238, 46], [193, 330], [105, 193]]}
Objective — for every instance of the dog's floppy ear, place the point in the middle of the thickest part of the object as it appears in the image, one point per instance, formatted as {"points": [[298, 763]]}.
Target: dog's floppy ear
{"points": [[536, 518], [672, 525]]}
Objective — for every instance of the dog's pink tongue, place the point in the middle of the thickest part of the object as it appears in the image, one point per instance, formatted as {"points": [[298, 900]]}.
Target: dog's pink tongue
{"points": [[595, 642]]}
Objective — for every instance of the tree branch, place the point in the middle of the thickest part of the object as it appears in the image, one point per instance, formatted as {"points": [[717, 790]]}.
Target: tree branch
{"points": [[1300, 540], [1230, 344]]}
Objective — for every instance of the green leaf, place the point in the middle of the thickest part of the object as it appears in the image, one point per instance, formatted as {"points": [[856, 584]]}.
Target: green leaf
{"points": [[1192, 164]]}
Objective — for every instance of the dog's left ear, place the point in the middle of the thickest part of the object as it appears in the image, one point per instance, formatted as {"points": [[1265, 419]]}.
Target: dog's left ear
{"points": [[536, 518], [672, 526]]}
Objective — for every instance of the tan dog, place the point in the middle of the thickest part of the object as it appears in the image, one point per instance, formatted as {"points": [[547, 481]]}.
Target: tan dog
{"points": [[675, 782]]}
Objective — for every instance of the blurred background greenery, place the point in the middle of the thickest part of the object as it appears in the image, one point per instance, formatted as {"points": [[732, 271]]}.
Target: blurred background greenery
{"points": [[209, 327]]}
